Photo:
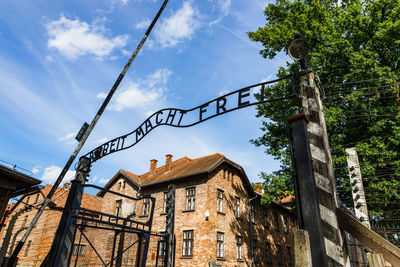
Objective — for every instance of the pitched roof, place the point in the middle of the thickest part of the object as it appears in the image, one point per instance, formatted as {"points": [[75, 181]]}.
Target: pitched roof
{"points": [[178, 169]]}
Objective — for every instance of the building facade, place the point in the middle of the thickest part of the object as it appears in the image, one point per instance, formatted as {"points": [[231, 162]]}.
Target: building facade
{"points": [[219, 219], [212, 213]]}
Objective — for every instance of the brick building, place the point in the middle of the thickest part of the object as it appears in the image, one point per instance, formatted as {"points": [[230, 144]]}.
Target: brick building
{"points": [[211, 213], [40, 240], [213, 218]]}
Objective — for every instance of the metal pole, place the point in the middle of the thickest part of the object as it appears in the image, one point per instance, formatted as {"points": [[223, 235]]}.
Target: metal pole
{"points": [[84, 138]]}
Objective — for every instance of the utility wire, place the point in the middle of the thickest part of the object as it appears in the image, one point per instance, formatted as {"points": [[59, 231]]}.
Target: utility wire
{"points": [[20, 244], [356, 82]]}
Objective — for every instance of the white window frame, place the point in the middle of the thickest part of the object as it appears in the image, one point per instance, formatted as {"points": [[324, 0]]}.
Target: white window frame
{"points": [[220, 244], [220, 201], [190, 198]]}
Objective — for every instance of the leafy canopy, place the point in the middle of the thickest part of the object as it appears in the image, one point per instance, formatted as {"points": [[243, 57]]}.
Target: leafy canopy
{"points": [[355, 48]]}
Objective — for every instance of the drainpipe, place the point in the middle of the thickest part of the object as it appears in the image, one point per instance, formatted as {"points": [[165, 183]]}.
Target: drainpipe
{"points": [[251, 231]]}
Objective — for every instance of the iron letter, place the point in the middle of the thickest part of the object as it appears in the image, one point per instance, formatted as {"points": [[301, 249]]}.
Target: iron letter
{"points": [[180, 119], [139, 133], [159, 121], [149, 126], [202, 110], [172, 113], [243, 95], [221, 106], [112, 144]]}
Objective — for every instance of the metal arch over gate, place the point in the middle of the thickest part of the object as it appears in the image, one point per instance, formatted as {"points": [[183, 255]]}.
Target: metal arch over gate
{"points": [[182, 118]]}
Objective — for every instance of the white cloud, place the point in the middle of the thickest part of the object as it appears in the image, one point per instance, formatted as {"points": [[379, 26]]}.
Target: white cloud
{"points": [[143, 24], [35, 170], [223, 92], [101, 95], [74, 38], [181, 25], [103, 181], [102, 140], [68, 138], [224, 7], [142, 93], [50, 174]]}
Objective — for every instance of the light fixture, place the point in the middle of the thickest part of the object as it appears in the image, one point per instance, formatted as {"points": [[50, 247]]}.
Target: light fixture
{"points": [[298, 50]]}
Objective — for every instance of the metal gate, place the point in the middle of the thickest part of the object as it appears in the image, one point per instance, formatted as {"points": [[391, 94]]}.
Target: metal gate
{"points": [[118, 234]]}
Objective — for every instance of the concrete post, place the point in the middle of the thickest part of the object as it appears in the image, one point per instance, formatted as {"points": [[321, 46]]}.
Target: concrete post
{"points": [[302, 250], [357, 188], [323, 170], [375, 260]]}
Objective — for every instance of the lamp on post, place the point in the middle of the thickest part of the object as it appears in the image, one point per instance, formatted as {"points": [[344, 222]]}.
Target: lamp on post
{"points": [[298, 50]]}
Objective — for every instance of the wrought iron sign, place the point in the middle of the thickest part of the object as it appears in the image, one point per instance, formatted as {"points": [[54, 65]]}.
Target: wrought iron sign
{"points": [[185, 118]]}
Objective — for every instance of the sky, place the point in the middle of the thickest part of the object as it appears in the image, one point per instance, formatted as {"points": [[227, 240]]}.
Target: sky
{"points": [[59, 59]]}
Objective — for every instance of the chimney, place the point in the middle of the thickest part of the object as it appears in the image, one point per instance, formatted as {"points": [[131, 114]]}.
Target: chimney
{"points": [[153, 165], [168, 159]]}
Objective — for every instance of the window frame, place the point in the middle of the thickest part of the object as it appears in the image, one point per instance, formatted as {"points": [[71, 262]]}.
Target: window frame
{"points": [[118, 208], [187, 243], [220, 201], [220, 244], [190, 200], [78, 250], [239, 250], [268, 255], [237, 207], [276, 222], [146, 207], [279, 254]]}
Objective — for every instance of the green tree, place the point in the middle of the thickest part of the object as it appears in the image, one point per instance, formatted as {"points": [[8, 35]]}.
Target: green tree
{"points": [[355, 48]]}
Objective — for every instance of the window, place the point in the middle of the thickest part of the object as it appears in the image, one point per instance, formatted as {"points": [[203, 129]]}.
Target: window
{"points": [[220, 198], [146, 206], [276, 221], [28, 246], [252, 215], [118, 208], [237, 207], [78, 250], [37, 198], [285, 224], [187, 243], [165, 202], [289, 256], [25, 220], [163, 245], [239, 254], [268, 252], [190, 198], [220, 245], [254, 249], [278, 254], [265, 220]]}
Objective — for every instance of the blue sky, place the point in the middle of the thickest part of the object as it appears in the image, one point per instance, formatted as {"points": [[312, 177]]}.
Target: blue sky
{"points": [[58, 59]]}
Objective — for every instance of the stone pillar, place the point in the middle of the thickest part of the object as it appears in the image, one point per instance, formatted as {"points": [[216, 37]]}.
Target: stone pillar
{"points": [[302, 250], [323, 169]]}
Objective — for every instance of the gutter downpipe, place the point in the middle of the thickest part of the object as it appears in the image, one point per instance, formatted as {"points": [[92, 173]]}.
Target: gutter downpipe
{"points": [[251, 231]]}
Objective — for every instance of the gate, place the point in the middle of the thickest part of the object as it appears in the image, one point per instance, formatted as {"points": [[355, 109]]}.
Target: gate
{"points": [[113, 235]]}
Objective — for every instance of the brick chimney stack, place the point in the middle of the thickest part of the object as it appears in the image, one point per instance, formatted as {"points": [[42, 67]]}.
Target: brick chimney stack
{"points": [[168, 160], [153, 165]]}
